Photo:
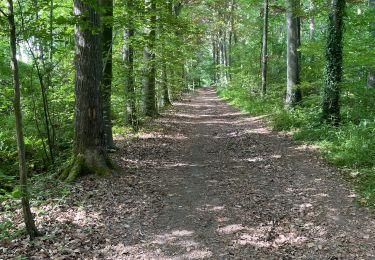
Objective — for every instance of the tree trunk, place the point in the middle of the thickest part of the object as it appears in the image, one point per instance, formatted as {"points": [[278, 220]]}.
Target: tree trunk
{"points": [[226, 55], [293, 92], [149, 70], [312, 23], [222, 56], [232, 33], [177, 7], [334, 59], [217, 42], [264, 48], [27, 215], [166, 100], [131, 110], [44, 76], [176, 10], [106, 85], [214, 58], [311, 59], [89, 155], [371, 73]]}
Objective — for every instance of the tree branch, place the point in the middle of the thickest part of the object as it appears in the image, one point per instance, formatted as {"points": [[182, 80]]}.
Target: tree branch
{"points": [[1, 11]]}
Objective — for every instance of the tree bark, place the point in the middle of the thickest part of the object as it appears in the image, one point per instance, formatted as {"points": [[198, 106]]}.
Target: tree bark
{"points": [[44, 76], [131, 107], [222, 56], [293, 92], [226, 56], [176, 10], [232, 32], [371, 73], [264, 48], [334, 59], [27, 215], [217, 43], [214, 58], [312, 23], [149, 70], [106, 84], [89, 154], [166, 99]]}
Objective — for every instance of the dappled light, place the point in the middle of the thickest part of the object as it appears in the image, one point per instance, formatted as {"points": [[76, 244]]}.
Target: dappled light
{"points": [[210, 184], [235, 188], [187, 129]]}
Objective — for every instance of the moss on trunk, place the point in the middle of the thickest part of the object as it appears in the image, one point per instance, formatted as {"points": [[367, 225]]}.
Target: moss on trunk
{"points": [[90, 163]]}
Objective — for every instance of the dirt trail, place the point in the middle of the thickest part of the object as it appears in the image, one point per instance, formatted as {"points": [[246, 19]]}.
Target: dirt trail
{"points": [[213, 183], [233, 189]]}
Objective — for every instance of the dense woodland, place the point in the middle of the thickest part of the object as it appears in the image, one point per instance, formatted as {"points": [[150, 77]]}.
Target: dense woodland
{"points": [[84, 72]]}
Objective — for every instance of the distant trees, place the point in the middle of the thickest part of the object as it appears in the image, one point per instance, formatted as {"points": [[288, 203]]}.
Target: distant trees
{"points": [[223, 38], [113, 78], [134, 57]]}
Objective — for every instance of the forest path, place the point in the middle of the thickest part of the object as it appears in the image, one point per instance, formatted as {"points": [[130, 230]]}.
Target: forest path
{"points": [[229, 188], [207, 182]]}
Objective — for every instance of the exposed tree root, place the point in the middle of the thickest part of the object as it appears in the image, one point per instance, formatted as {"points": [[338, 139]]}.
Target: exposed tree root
{"points": [[91, 162]]}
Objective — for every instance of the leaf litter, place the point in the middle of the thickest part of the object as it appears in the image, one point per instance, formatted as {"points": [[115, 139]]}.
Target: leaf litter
{"points": [[205, 181]]}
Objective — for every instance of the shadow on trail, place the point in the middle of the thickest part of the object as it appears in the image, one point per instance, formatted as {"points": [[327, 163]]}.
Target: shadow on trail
{"points": [[233, 189], [210, 183]]}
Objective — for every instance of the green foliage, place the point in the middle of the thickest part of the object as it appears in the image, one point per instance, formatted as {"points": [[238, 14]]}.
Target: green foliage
{"points": [[249, 101], [343, 82], [6, 227]]}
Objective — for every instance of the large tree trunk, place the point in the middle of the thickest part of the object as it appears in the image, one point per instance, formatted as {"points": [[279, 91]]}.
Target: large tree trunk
{"points": [[106, 85], [149, 70], [371, 73], [264, 47], [293, 92], [334, 59], [27, 215], [131, 110], [89, 155]]}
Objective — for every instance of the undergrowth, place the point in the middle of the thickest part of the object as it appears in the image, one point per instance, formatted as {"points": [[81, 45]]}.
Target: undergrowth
{"points": [[44, 189], [349, 146]]}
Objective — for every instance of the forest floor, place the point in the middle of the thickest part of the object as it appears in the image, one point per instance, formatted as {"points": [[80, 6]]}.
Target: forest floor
{"points": [[206, 182]]}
